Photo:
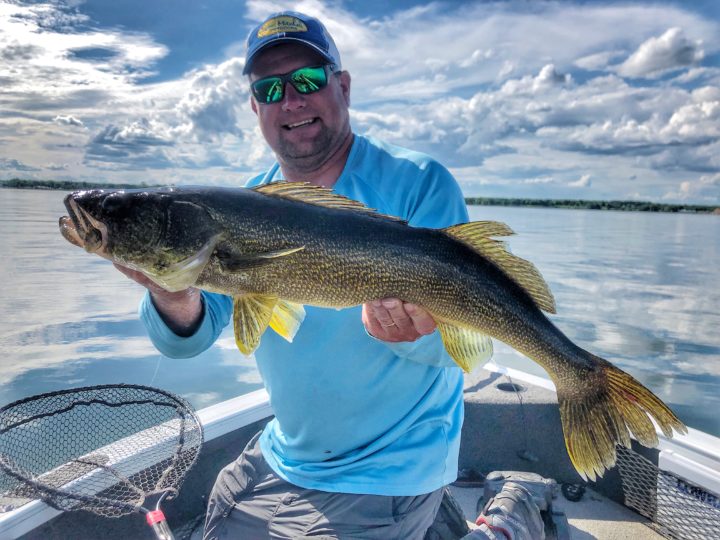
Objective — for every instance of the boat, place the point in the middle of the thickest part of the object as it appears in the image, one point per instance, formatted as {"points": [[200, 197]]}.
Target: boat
{"points": [[512, 423]]}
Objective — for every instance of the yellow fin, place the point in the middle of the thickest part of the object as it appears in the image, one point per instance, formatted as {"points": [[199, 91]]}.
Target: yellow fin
{"points": [[319, 196], [468, 348], [251, 316], [611, 405], [286, 319], [477, 235]]}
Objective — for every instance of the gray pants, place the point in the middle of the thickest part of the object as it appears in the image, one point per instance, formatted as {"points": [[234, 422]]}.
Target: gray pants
{"points": [[249, 501]]}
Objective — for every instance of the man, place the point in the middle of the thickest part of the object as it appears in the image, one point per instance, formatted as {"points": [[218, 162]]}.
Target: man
{"points": [[368, 406]]}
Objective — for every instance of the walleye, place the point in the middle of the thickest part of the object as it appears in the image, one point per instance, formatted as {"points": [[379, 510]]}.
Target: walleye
{"points": [[276, 247]]}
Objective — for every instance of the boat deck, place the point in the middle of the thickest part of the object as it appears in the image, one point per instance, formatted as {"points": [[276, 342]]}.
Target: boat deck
{"points": [[508, 427], [593, 517]]}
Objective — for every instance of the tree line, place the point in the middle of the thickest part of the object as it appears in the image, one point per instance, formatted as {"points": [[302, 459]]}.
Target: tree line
{"points": [[66, 185], [628, 206]]}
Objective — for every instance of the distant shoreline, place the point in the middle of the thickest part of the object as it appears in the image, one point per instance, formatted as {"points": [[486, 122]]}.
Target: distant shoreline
{"points": [[623, 206], [65, 185], [626, 206]]}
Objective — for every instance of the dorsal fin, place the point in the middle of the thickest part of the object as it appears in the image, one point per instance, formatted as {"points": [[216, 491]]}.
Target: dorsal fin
{"points": [[319, 196], [477, 235]]}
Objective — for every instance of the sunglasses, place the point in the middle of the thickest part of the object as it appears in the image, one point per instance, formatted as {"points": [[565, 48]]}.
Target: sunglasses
{"points": [[305, 80]]}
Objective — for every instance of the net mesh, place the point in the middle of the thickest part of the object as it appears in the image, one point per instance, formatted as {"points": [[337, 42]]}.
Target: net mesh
{"points": [[676, 507], [105, 449]]}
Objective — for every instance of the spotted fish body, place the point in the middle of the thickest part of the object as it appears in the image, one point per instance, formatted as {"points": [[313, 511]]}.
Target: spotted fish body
{"points": [[279, 246]]}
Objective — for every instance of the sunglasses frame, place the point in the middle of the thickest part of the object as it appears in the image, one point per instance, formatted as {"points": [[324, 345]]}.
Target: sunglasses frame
{"points": [[286, 78]]}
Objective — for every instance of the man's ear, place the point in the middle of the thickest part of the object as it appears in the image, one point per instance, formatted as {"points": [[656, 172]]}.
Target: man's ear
{"points": [[253, 105], [345, 86]]}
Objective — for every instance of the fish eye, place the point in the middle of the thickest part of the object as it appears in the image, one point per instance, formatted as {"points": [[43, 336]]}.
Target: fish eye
{"points": [[114, 203]]}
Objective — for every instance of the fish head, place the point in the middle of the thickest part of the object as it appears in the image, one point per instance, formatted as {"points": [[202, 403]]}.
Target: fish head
{"points": [[159, 232]]}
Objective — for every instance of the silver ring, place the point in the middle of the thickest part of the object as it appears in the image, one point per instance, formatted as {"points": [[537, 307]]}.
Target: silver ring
{"points": [[388, 325]]}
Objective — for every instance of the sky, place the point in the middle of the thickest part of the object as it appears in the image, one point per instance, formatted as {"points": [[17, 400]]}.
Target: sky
{"points": [[529, 99]]}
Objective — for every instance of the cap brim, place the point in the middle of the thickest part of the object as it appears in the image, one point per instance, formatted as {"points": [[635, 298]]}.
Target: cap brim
{"points": [[251, 58]]}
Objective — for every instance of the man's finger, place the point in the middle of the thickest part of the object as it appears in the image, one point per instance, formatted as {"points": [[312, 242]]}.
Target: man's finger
{"points": [[373, 324], [421, 319], [381, 314], [396, 310]]}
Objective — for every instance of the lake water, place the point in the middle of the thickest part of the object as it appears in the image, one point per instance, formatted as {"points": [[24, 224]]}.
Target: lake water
{"points": [[639, 289]]}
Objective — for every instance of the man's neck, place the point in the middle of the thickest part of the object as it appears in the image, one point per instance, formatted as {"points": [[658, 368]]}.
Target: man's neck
{"points": [[327, 174]]}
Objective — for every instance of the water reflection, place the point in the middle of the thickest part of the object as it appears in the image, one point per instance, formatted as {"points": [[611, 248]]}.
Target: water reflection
{"points": [[73, 318], [639, 289]]}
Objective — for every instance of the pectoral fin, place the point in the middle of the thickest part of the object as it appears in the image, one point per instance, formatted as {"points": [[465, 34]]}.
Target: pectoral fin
{"points": [[468, 348], [251, 316], [287, 318], [237, 262], [183, 274]]}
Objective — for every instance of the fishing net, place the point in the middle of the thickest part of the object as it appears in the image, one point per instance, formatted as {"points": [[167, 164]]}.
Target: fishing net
{"points": [[106, 449], [676, 507]]}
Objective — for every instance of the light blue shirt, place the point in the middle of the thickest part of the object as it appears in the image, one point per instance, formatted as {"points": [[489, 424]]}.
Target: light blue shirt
{"points": [[354, 414]]}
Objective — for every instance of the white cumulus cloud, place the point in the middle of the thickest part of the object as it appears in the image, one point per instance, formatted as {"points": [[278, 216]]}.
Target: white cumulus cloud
{"points": [[583, 182], [68, 120], [658, 55]]}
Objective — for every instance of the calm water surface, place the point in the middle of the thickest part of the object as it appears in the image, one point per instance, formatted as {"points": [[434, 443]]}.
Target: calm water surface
{"points": [[640, 289]]}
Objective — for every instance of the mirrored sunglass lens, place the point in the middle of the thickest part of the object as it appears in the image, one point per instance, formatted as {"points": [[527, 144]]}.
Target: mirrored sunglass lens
{"points": [[268, 90], [308, 80]]}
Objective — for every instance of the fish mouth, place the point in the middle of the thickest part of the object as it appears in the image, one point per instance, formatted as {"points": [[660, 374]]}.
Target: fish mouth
{"points": [[81, 229]]}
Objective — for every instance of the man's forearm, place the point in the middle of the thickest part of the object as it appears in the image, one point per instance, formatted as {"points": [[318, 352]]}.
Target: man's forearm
{"points": [[181, 311]]}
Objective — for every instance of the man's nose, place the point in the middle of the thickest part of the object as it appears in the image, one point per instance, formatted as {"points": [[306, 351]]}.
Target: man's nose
{"points": [[292, 100]]}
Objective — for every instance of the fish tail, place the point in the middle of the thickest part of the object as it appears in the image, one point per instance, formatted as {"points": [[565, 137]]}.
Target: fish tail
{"points": [[611, 405]]}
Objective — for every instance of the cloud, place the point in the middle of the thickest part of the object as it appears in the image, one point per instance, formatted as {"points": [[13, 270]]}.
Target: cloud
{"points": [[598, 61], [132, 146], [706, 188], [51, 53], [545, 79], [476, 58], [57, 166], [657, 56], [578, 124], [211, 106], [583, 182], [551, 91], [7, 164], [16, 52], [694, 123], [68, 120], [50, 16]]}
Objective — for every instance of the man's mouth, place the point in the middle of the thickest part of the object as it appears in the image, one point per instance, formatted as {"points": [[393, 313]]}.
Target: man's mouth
{"points": [[302, 123]]}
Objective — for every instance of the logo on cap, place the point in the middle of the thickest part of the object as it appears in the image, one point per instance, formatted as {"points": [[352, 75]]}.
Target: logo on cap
{"points": [[279, 25]]}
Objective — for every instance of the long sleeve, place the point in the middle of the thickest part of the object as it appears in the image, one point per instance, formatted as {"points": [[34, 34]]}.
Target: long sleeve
{"points": [[216, 315]]}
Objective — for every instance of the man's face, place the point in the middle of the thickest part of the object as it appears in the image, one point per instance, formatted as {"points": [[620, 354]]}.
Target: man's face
{"points": [[304, 130]]}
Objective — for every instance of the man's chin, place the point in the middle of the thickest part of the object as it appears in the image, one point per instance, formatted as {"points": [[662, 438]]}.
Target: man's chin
{"points": [[306, 152]]}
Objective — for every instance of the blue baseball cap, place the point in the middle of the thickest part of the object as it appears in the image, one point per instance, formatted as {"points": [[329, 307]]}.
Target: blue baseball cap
{"points": [[291, 27]]}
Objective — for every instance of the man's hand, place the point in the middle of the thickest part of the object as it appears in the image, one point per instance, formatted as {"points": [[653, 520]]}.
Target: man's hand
{"points": [[182, 310], [391, 319]]}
